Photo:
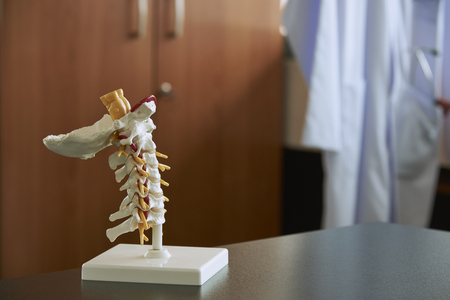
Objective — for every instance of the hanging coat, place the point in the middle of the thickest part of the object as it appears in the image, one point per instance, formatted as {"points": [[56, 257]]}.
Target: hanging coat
{"points": [[341, 195], [376, 185], [327, 38], [418, 118], [351, 54]]}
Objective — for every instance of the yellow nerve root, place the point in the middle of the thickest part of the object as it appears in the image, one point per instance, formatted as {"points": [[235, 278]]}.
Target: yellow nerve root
{"points": [[146, 174], [163, 167], [161, 155], [164, 183], [143, 219], [142, 236], [165, 199], [144, 205], [142, 188], [115, 136], [139, 160], [122, 151]]}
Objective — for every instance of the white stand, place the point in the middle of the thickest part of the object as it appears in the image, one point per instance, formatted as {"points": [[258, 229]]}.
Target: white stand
{"points": [[157, 250], [169, 265], [157, 237]]}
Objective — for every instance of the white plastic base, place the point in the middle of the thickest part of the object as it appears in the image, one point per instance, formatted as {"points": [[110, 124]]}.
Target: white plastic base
{"points": [[163, 253], [136, 263]]}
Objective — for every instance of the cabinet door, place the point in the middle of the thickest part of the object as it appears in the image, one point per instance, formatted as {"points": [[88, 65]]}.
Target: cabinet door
{"points": [[221, 125], [57, 59]]}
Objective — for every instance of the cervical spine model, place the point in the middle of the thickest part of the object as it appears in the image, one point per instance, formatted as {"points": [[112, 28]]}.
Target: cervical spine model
{"points": [[144, 203], [131, 130]]}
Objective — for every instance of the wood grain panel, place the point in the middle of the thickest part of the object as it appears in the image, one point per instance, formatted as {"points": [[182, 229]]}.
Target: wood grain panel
{"points": [[57, 59], [222, 129]]}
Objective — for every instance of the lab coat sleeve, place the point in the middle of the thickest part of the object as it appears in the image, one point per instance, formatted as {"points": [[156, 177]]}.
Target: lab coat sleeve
{"points": [[312, 28]]}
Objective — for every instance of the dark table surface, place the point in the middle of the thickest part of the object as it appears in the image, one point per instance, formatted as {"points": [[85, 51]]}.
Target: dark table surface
{"points": [[367, 261]]}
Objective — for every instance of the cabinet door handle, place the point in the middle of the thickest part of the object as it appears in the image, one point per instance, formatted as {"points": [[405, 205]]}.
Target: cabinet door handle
{"points": [[142, 6], [179, 18]]}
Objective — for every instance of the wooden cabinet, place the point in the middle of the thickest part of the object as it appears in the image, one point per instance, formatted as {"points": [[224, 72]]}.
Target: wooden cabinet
{"points": [[57, 58], [220, 128]]}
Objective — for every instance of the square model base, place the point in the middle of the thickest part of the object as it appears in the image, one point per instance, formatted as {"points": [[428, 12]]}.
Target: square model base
{"points": [[126, 263]]}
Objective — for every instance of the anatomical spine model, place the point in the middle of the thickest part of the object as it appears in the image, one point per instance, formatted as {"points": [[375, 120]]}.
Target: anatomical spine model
{"points": [[131, 130], [144, 204]]}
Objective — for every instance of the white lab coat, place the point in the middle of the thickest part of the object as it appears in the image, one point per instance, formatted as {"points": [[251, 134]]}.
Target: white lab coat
{"points": [[418, 119], [355, 64], [375, 189], [332, 64]]}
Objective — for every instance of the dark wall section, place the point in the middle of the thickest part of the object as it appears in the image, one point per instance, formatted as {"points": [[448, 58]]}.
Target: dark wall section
{"points": [[303, 194], [441, 210], [302, 191]]}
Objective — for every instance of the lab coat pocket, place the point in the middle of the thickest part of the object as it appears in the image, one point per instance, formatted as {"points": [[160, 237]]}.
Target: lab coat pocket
{"points": [[417, 132]]}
